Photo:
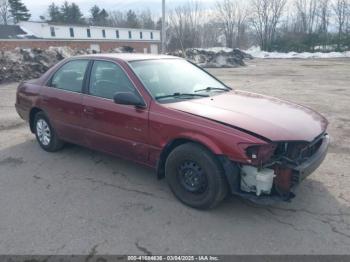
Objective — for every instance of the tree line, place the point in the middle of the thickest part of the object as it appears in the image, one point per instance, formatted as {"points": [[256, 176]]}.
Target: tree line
{"points": [[274, 25], [70, 13], [13, 11]]}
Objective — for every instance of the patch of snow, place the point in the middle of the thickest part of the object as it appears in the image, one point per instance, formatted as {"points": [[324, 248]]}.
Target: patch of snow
{"points": [[257, 53], [25, 36], [216, 49], [28, 32]]}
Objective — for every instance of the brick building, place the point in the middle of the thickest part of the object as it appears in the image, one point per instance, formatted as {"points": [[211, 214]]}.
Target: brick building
{"points": [[97, 38]]}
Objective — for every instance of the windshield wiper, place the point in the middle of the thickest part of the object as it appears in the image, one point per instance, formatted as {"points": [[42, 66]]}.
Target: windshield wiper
{"points": [[208, 89], [181, 95]]}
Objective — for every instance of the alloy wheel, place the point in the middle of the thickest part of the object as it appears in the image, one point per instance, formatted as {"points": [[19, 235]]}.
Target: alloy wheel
{"points": [[43, 131]]}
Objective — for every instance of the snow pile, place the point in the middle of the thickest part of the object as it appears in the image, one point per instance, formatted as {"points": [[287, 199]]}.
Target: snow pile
{"points": [[28, 63], [257, 53], [216, 57], [21, 64]]}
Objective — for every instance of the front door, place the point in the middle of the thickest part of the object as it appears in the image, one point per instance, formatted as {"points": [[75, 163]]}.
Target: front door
{"points": [[62, 100], [118, 129]]}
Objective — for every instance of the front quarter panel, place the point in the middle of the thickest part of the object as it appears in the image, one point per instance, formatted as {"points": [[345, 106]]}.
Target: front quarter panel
{"points": [[167, 125]]}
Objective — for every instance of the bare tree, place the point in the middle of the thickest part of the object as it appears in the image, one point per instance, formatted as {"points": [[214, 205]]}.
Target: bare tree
{"points": [[266, 15], [117, 18], [147, 20], [347, 21], [184, 22], [227, 16], [324, 13], [306, 15], [209, 33], [233, 17], [5, 13], [341, 11]]}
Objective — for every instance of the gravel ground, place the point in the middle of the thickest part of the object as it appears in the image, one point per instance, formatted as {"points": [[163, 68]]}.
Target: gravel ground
{"points": [[84, 202]]}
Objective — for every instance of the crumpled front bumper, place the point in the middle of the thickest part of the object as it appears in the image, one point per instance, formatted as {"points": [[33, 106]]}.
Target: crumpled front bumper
{"points": [[309, 166], [300, 172]]}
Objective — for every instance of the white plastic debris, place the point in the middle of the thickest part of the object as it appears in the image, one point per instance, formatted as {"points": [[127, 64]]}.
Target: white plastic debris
{"points": [[255, 180]]}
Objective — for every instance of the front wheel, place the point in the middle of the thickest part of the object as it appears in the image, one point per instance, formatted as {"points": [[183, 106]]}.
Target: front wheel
{"points": [[45, 134], [195, 176]]}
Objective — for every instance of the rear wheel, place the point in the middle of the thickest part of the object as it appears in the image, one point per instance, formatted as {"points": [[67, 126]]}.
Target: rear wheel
{"points": [[45, 134], [195, 176]]}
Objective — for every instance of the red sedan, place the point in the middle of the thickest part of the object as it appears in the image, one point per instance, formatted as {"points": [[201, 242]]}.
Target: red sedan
{"points": [[205, 138]]}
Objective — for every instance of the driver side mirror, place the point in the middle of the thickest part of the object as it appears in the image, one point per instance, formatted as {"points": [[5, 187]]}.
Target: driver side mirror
{"points": [[127, 98]]}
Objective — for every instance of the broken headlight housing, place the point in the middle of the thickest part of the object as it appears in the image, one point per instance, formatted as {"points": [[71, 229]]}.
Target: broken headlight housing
{"points": [[259, 154]]}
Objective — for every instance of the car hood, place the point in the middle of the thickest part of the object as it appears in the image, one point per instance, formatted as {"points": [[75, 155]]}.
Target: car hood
{"points": [[271, 118]]}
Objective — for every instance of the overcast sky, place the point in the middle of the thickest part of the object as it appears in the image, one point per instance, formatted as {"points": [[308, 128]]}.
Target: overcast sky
{"points": [[39, 7]]}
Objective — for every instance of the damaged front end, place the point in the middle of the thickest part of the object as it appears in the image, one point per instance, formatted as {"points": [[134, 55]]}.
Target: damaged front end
{"points": [[275, 169]]}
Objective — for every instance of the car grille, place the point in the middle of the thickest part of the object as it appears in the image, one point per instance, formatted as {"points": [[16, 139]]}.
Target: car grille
{"points": [[299, 152]]}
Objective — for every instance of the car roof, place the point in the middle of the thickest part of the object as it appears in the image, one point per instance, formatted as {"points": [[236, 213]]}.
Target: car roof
{"points": [[128, 57]]}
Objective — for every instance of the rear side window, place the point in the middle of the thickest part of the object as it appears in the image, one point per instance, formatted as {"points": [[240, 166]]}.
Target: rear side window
{"points": [[70, 76], [107, 79]]}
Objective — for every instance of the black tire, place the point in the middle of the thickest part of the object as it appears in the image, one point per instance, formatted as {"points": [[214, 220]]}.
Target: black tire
{"points": [[192, 158], [54, 144]]}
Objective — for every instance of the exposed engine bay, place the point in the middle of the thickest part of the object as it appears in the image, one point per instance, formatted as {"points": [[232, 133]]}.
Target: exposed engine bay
{"points": [[278, 167]]}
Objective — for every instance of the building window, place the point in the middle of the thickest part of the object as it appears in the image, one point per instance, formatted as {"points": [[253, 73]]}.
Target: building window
{"points": [[117, 33], [52, 30], [88, 32], [141, 36], [103, 33], [151, 35], [130, 36], [71, 32]]}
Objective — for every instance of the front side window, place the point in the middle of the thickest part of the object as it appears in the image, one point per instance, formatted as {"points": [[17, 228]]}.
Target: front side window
{"points": [[151, 35], [103, 33], [88, 32], [130, 34], [117, 33], [176, 79], [107, 79], [141, 36], [70, 76]]}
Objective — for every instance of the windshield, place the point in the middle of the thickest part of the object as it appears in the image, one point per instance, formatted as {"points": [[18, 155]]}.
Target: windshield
{"points": [[169, 79]]}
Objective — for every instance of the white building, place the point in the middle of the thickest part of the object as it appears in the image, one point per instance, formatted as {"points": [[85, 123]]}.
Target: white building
{"points": [[97, 38], [53, 31]]}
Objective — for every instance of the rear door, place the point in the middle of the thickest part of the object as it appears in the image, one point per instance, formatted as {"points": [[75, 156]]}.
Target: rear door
{"points": [[62, 99], [118, 129]]}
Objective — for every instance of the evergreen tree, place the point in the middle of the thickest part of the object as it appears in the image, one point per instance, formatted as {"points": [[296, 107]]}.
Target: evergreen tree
{"points": [[131, 20], [94, 11], [147, 20], [54, 13], [19, 11], [159, 24], [103, 17], [71, 13], [98, 16]]}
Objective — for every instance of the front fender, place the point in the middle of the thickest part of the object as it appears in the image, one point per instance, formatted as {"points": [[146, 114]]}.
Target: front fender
{"points": [[203, 140]]}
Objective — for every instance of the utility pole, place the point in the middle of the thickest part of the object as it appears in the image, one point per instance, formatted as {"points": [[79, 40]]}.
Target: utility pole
{"points": [[163, 27]]}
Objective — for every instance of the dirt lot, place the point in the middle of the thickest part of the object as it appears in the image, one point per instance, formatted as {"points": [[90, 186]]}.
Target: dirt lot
{"points": [[79, 201]]}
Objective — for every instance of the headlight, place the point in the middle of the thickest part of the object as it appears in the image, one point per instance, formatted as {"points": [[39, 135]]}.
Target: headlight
{"points": [[259, 154]]}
